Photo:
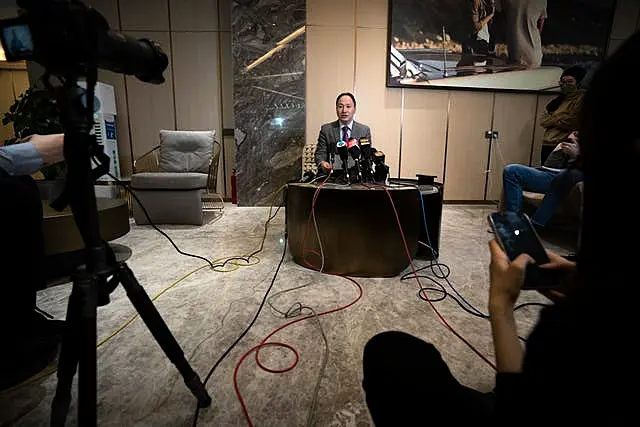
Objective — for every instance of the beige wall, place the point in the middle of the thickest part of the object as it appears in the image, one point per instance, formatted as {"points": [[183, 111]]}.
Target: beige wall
{"points": [[346, 51], [190, 32], [438, 132]]}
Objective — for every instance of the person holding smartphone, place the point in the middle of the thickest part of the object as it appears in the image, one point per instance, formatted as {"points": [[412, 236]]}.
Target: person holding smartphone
{"points": [[577, 366], [555, 179]]}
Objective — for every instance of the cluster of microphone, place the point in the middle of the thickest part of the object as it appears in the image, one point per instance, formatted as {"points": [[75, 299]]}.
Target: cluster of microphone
{"points": [[369, 162]]}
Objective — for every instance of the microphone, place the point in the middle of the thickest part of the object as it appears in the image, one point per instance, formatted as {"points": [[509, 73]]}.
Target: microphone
{"points": [[378, 157], [354, 148], [381, 172], [331, 152], [365, 148], [343, 152]]}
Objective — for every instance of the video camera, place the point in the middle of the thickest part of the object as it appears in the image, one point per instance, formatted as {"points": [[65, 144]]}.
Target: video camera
{"points": [[68, 37]]}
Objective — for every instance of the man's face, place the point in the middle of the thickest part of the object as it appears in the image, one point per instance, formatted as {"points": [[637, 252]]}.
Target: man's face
{"points": [[345, 109], [568, 84]]}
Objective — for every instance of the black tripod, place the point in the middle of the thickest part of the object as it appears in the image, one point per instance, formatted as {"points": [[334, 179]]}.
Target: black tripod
{"points": [[91, 283]]}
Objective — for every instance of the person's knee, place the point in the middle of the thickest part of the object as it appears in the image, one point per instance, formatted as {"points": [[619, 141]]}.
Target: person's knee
{"points": [[512, 171], [566, 179]]}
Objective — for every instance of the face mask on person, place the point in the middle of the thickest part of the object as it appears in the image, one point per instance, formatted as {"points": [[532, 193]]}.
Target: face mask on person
{"points": [[568, 87]]}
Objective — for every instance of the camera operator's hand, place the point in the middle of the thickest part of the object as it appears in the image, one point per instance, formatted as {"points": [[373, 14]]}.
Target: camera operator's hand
{"points": [[506, 278], [50, 147]]}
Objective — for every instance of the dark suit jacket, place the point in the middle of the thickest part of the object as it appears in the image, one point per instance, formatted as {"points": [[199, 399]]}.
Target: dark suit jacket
{"points": [[330, 132]]}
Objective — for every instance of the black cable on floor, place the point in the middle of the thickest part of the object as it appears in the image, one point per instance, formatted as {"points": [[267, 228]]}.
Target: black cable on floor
{"points": [[443, 294], [253, 321], [181, 252]]}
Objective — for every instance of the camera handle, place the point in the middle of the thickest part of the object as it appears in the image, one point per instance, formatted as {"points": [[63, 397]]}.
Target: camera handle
{"points": [[78, 350]]}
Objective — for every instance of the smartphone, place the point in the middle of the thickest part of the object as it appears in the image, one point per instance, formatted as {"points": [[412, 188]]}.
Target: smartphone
{"points": [[516, 235]]}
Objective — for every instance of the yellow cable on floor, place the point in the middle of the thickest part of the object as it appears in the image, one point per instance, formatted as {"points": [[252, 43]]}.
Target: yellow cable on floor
{"points": [[235, 263], [128, 322]]}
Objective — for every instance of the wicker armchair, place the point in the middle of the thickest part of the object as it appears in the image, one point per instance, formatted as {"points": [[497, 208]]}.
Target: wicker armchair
{"points": [[178, 178]]}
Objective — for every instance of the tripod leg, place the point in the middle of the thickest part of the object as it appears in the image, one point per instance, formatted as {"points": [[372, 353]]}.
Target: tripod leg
{"points": [[78, 347], [162, 334], [87, 364]]}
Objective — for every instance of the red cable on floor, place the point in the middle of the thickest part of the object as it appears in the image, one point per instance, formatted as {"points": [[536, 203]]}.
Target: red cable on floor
{"points": [[423, 289], [264, 342]]}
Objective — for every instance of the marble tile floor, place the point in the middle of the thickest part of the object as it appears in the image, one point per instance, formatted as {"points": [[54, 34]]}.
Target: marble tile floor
{"points": [[206, 312]]}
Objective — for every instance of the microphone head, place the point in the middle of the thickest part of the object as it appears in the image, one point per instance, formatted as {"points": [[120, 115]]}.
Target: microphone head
{"points": [[365, 148], [341, 147], [378, 158], [354, 150]]}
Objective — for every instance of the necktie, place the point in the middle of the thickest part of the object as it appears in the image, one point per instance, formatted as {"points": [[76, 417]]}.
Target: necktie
{"points": [[345, 133]]}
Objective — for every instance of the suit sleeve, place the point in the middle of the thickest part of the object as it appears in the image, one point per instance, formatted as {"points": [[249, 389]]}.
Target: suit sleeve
{"points": [[321, 148], [369, 135]]}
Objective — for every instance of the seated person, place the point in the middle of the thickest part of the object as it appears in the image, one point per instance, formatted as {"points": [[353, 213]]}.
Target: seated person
{"points": [[559, 174], [561, 114], [29, 341], [342, 129]]}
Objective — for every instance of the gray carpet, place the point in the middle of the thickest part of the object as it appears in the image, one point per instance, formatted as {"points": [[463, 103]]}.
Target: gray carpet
{"points": [[138, 386]]}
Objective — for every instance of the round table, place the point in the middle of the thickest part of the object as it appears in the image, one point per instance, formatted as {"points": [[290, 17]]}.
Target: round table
{"points": [[357, 226], [61, 234]]}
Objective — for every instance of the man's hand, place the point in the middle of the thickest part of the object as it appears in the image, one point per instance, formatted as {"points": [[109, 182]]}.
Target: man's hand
{"points": [[50, 147], [506, 278], [570, 149], [325, 166]]}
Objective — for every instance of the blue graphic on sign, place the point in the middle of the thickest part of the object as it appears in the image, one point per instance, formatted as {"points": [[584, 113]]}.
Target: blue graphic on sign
{"points": [[110, 128]]}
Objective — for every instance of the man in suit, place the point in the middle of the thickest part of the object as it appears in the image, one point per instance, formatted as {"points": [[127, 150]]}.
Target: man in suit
{"points": [[342, 129]]}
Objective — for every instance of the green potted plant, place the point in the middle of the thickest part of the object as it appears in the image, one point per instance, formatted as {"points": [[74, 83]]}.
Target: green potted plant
{"points": [[35, 112]]}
